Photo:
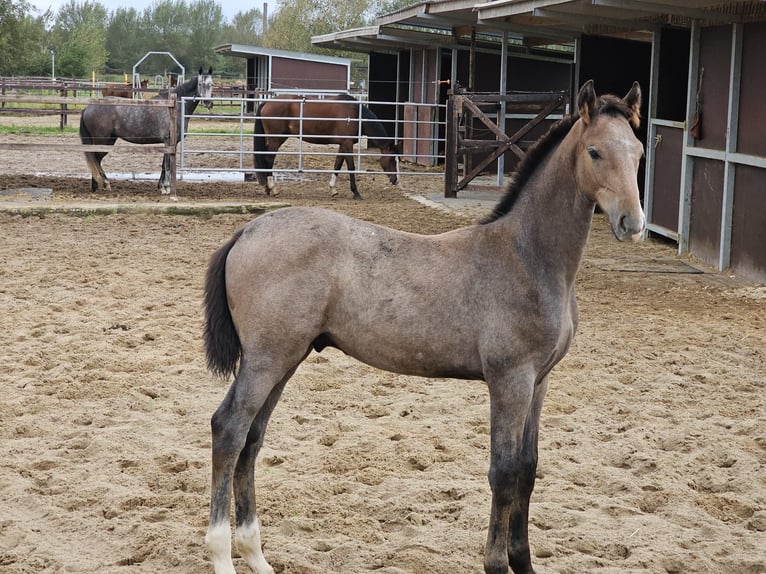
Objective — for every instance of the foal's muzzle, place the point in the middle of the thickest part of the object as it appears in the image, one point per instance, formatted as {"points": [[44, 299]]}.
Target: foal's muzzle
{"points": [[629, 226]]}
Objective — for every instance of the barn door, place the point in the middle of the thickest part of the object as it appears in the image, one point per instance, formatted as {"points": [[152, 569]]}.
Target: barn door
{"points": [[665, 137]]}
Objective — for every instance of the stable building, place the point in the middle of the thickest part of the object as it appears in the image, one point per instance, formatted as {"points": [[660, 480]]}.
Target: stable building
{"points": [[271, 71], [699, 63]]}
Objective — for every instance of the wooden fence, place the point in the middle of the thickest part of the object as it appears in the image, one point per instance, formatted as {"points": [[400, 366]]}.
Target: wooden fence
{"points": [[463, 107], [64, 103]]}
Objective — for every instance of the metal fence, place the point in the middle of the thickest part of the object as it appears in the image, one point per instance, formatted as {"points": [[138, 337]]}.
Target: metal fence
{"points": [[229, 147], [222, 140]]}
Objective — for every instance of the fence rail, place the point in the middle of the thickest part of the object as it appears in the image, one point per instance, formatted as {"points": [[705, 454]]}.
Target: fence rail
{"points": [[230, 148], [81, 148], [242, 123]]}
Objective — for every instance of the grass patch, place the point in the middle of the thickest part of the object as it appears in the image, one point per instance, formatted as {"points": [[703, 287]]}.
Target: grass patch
{"points": [[36, 130]]}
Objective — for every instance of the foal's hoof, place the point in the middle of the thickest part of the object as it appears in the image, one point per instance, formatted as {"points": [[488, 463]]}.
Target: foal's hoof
{"points": [[333, 192]]}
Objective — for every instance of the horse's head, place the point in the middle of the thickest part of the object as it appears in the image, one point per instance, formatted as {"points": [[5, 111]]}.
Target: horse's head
{"points": [[205, 88], [607, 157], [389, 160]]}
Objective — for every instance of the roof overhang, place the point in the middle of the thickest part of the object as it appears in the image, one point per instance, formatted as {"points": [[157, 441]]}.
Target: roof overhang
{"points": [[532, 23], [245, 51], [627, 18]]}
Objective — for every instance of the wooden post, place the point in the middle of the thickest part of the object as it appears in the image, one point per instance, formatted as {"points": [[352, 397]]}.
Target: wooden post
{"points": [[62, 117], [454, 105]]}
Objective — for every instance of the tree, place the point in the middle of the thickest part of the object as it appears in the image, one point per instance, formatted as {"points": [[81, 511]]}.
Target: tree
{"points": [[205, 27], [125, 40], [245, 28], [387, 6], [296, 21], [24, 47], [188, 31], [79, 36], [164, 23]]}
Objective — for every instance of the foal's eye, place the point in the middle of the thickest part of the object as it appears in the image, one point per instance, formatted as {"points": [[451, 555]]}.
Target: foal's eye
{"points": [[593, 153]]}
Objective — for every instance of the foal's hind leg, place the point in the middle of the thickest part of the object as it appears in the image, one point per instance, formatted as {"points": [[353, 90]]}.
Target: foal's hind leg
{"points": [[238, 426], [248, 534]]}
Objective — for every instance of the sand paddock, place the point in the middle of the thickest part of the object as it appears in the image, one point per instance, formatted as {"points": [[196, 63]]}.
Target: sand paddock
{"points": [[653, 436]]}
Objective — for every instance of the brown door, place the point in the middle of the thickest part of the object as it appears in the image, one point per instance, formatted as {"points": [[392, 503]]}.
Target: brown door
{"points": [[666, 183]]}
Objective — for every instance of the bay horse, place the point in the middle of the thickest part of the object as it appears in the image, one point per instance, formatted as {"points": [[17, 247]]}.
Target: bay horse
{"points": [[494, 302], [332, 120], [104, 124], [121, 90]]}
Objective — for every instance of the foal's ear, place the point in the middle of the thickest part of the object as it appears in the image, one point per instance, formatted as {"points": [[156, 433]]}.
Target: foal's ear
{"points": [[200, 71], [633, 99], [210, 71], [586, 101]]}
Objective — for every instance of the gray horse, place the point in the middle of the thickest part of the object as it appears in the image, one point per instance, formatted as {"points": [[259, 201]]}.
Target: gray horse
{"points": [[104, 124], [494, 302]]}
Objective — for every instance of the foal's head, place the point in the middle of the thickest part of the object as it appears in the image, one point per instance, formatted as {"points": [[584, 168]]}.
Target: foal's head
{"points": [[205, 88], [607, 157]]}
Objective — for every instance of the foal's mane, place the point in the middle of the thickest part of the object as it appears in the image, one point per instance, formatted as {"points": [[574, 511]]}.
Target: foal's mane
{"points": [[606, 104]]}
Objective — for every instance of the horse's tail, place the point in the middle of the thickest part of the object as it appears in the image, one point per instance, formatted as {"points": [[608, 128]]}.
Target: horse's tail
{"points": [[85, 136], [222, 344]]}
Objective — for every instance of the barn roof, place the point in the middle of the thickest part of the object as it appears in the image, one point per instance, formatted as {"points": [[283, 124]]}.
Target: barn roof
{"points": [[245, 51]]}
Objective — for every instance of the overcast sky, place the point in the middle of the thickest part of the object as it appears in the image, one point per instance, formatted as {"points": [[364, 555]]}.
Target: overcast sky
{"points": [[229, 7]]}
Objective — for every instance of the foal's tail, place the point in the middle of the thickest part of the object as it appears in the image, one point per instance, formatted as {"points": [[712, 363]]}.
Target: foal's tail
{"points": [[222, 345]]}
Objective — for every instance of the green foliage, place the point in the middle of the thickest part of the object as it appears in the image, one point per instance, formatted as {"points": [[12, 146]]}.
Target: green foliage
{"points": [[86, 37], [124, 40], [297, 21], [79, 34], [388, 6], [23, 49]]}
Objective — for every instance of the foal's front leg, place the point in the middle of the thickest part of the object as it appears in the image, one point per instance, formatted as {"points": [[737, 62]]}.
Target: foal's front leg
{"points": [[518, 536], [514, 419]]}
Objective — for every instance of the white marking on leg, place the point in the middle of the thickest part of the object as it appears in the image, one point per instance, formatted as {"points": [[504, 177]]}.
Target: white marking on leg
{"points": [[218, 540], [271, 186], [333, 191], [248, 538]]}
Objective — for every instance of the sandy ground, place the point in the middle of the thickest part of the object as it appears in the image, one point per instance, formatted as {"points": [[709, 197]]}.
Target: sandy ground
{"points": [[653, 438]]}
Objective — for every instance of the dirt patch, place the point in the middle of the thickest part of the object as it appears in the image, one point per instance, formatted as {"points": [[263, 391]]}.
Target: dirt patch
{"points": [[652, 450]]}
